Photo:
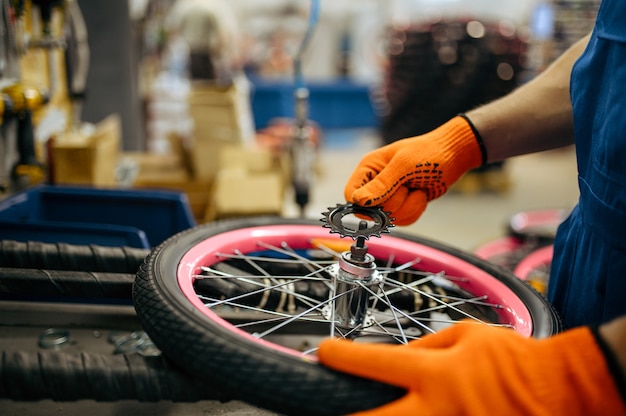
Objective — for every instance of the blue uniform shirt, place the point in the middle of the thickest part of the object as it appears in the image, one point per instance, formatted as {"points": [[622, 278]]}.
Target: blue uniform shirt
{"points": [[588, 274]]}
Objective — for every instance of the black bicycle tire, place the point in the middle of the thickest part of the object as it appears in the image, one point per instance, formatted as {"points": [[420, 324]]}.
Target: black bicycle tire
{"points": [[70, 257], [67, 377], [258, 374], [43, 284]]}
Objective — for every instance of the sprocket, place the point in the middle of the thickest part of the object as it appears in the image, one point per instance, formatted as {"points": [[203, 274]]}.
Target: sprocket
{"points": [[377, 221]]}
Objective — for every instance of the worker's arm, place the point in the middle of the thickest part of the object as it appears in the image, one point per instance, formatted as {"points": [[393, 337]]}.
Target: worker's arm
{"points": [[405, 175], [536, 116], [614, 334]]}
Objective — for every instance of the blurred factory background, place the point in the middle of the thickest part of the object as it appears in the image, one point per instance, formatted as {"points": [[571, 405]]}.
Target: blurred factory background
{"points": [[200, 97]]}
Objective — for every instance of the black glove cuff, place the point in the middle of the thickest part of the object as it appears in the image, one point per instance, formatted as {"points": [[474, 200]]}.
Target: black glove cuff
{"points": [[479, 138], [612, 363]]}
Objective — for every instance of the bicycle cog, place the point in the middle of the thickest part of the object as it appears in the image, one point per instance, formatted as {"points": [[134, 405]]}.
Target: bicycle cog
{"points": [[378, 221]]}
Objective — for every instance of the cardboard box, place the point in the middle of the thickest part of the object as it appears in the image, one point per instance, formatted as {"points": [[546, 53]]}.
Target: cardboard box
{"points": [[158, 171], [198, 193], [88, 158], [220, 112], [205, 159], [251, 160], [240, 193], [221, 117], [153, 162], [171, 172]]}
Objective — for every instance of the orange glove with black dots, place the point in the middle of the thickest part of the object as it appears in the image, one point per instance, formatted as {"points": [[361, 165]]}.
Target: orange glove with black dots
{"points": [[403, 176], [474, 369]]}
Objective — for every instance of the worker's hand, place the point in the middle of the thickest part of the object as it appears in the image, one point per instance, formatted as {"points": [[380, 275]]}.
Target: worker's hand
{"points": [[474, 369], [403, 176]]}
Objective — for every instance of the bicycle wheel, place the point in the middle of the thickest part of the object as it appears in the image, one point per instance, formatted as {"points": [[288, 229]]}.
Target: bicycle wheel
{"points": [[242, 303], [535, 268]]}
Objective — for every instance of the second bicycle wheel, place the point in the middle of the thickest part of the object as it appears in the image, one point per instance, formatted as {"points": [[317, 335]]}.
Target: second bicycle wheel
{"points": [[242, 304]]}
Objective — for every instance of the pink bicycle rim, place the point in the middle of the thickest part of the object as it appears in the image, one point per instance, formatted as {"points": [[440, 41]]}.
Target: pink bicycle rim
{"points": [[206, 253]]}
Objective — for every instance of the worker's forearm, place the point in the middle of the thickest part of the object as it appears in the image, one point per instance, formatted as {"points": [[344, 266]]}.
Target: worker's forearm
{"points": [[535, 117], [614, 334]]}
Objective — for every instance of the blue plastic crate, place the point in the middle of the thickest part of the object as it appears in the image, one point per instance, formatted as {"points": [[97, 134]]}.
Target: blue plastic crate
{"points": [[79, 215], [74, 233]]}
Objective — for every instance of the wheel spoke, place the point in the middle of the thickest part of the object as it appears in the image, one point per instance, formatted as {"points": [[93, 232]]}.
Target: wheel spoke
{"points": [[229, 302], [298, 316], [263, 289], [395, 311], [279, 286], [256, 280], [279, 319]]}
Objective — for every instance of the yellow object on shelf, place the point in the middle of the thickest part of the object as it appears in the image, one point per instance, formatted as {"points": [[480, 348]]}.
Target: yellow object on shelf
{"points": [[88, 158]]}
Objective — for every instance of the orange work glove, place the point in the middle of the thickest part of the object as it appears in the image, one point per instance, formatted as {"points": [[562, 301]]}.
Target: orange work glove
{"points": [[472, 369], [403, 176]]}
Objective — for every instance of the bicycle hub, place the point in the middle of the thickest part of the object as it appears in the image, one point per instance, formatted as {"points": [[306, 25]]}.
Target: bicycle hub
{"points": [[356, 269], [357, 264]]}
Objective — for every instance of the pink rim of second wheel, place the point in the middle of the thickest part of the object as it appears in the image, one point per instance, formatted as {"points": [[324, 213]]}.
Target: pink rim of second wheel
{"points": [[541, 257], [498, 247]]}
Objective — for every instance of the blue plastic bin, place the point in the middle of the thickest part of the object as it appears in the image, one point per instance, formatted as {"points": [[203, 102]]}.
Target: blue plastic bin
{"points": [[110, 217], [74, 233]]}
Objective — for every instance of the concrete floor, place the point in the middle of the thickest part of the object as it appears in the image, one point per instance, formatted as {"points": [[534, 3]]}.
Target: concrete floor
{"points": [[462, 220]]}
